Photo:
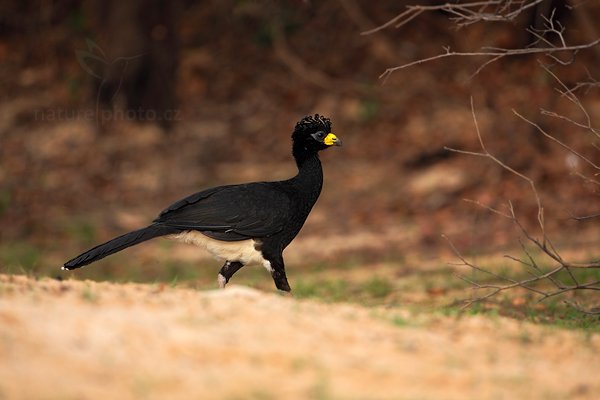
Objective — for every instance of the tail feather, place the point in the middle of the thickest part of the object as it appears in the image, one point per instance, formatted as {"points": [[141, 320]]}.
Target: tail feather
{"points": [[117, 244]]}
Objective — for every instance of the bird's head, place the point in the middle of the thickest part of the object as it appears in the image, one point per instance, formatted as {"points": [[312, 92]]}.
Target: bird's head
{"points": [[313, 134]]}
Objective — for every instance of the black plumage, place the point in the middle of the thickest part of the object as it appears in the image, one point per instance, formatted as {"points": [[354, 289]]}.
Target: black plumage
{"points": [[241, 224]]}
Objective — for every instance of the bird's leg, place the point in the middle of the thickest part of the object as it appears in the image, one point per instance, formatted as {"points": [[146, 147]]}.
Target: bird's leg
{"points": [[278, 274], [227, 271]]}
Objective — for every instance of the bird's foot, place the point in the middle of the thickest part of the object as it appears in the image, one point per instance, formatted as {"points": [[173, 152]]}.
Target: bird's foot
{"points": [[222, 281]]}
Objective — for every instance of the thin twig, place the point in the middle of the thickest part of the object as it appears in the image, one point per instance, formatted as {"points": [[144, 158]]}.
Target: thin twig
{"points": [[462, 13], [537, 275], [485, 153], [495, 54], [585, 217], [555, 140]]}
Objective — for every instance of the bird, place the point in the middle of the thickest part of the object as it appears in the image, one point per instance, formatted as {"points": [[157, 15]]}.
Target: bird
{"points": [[241, 224]]}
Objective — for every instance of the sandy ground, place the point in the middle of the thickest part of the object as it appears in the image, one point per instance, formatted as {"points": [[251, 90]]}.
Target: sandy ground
{"points": [[87, 340]]}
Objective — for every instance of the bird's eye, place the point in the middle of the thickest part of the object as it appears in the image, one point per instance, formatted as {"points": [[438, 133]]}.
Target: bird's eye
{"points": [[319, 136]]}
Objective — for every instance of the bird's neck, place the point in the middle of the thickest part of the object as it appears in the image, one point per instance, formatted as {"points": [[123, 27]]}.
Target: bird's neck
{"points": [[303, 156], [306, 188], [310, 173]]}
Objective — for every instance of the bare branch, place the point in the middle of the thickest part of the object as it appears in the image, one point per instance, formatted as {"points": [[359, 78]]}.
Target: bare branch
{"points": [[554, 139], [485, 153], [575, 305], [585, 217], [555, 275], [570, 95], [463, 13], [491, 10], [523, 283], [495, 54], [537, 274], [480, 204]]}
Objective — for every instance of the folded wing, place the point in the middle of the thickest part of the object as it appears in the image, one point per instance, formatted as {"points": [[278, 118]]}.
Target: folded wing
{"points": [[235, 212]]}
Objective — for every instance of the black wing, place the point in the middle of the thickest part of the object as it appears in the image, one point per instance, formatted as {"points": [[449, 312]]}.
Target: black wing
{"points": [[235, 212]]}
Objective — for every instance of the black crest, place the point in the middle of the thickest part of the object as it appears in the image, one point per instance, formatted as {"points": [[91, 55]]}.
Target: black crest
{"points": [[311, 124]]}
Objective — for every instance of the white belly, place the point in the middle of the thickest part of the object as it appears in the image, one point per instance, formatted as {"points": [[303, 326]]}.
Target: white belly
{"points": [[243, 251]]}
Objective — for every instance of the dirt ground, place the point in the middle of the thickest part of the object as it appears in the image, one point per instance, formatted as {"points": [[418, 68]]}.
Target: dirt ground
{"points": [[89, 340]]}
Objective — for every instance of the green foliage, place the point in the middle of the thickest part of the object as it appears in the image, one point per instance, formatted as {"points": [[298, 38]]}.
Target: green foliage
{"points": [[551, 312], [77, 20], [75, 86], [372, 291], [369, 108], [320, 390], [5, 200], [400, 321], [327, 290], [421, 292], [581, 274], [19, 257], [89, 295], [82, 231], [378, 288]]}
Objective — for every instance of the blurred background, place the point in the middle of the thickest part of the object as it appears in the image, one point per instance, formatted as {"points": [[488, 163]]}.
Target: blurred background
{"points": [[111, 110]]}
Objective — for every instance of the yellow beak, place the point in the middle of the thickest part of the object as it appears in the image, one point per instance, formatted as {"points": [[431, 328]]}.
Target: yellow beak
{"points": [[332, 140]]}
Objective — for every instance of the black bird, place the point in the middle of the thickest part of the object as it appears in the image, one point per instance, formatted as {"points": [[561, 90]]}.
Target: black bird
{"points": [[243, 224]]}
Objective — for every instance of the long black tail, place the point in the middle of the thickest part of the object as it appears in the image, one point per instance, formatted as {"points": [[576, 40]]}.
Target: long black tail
{"points": [[118, 244]]}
